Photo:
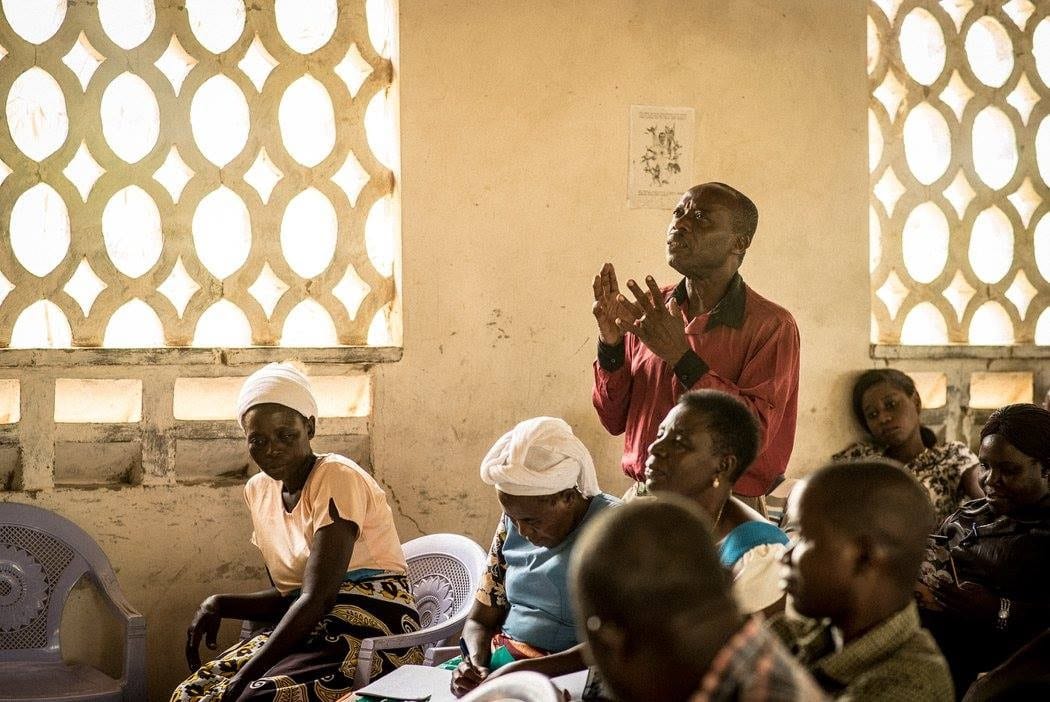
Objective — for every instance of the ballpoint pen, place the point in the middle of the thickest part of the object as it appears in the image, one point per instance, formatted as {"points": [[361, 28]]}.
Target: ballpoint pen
{"points": [[466, 652]]}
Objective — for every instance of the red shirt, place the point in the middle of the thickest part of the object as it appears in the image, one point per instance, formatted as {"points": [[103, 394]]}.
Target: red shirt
{"points": [[751, 349]]}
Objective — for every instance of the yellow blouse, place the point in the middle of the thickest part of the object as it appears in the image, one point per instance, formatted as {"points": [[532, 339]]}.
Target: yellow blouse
{"points": [[284, 537]]}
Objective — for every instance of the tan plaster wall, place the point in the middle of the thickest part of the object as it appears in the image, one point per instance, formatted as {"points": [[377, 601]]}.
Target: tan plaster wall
{"points": [[514, 151], [514, 119]]}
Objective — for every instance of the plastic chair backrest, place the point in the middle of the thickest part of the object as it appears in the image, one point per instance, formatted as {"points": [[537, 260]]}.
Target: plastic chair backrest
{"points": [[42, 556], [444, 570], [523, 686]]}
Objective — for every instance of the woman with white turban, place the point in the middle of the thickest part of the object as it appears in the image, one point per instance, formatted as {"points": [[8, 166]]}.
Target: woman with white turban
{"points": [[328, 539], [522, 617]]}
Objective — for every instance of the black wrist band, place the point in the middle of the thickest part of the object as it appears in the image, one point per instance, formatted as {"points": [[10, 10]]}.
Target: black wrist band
{"points": [[611, 358], [690, 368]]}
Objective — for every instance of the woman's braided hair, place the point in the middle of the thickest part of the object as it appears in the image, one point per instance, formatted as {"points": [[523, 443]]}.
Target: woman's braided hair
{"points": [[1026, 427]]}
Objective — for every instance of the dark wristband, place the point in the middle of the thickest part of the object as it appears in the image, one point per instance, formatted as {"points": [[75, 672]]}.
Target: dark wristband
{"points": [[611, 358], [690, 368]]}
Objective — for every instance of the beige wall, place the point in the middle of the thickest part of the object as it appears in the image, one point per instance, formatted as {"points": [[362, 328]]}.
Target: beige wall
{"points": [[514, 118], [514, 140]]}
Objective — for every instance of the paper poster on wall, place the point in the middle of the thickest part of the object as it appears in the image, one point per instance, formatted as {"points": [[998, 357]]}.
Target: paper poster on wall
{"points": [[661, 155]]}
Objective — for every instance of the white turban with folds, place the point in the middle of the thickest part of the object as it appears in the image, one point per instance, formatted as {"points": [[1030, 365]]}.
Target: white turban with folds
{"points": [[280, 384], [540, 456]]}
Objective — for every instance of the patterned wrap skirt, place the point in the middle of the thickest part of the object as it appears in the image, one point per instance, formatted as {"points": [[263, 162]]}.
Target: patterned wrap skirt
{"points": [[322, 667]]}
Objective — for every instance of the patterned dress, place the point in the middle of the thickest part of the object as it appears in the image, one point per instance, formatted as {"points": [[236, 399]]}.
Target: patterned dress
{"points": [[322, 667], [939, 468]]}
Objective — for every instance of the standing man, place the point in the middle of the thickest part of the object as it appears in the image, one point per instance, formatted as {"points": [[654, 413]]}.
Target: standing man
{"points": [[708, 331]]}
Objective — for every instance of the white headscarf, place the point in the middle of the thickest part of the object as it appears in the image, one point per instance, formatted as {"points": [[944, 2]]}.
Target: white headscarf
{"points": [[540, 456], [280, 384]]}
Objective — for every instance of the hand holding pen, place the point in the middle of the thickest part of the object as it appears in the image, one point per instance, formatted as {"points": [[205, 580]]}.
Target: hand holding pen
{"points": [[467, 674]]}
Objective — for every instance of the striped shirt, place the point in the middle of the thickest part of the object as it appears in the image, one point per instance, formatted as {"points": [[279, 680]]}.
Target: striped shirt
{"points": [[754, 666]]}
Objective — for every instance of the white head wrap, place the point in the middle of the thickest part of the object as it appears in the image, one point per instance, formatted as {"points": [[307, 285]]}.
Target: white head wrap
{"points": [[540, 456], [280, 384]]}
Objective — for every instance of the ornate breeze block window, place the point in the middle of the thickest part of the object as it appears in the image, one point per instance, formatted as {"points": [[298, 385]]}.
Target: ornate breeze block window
{"points": [[959, 136], [215, 174], [195, 173]]}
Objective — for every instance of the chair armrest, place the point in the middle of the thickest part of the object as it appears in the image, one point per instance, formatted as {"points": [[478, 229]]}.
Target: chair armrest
{"points": [[249, 627], [134, 668], [435, 633], [135, 659], [440, 654], [431, 635], [116, 600]]}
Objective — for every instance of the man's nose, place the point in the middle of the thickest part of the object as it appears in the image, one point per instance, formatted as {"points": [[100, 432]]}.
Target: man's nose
{"points": [[654, 447]]}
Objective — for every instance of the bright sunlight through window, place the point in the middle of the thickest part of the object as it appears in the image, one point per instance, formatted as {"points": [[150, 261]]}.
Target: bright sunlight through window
{"points": [[959, 157], [238, 190]]}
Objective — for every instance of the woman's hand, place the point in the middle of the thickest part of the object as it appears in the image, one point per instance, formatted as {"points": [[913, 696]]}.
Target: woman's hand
{"points": [[205, 625], [515, 667], [466, 677], [553, 665], [968, 600]]}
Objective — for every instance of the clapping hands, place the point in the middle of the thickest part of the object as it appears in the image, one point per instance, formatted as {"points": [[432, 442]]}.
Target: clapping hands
{"points": [[660, 327]]}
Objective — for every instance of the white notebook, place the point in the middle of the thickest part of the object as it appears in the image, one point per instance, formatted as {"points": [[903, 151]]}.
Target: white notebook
{"points": [[412, 683]]}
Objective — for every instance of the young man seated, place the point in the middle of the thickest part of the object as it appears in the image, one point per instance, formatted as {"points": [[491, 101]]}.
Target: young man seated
{"points": [[658, 612], [861, 531]]}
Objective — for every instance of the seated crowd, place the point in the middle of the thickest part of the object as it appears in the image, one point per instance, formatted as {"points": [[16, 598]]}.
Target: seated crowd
{"points": [[914, 569], [665, 596]]}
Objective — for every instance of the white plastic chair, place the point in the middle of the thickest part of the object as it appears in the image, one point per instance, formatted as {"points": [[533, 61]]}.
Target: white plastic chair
{"points": [[524, 686], [42, 556], [444, 570]]}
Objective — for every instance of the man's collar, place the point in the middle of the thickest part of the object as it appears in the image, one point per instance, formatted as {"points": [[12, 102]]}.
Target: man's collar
{"points": [[858, 656], [730, 309]]}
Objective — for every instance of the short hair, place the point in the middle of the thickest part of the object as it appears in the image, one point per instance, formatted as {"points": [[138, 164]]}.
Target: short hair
{"points": [[879, 499], [733, 428], [745, 214], [652, 567], [891, 376], [1026, 427]]}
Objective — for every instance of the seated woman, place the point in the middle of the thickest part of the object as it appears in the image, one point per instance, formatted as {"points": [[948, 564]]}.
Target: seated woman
{"points": [[328, 539], [704, 444], [522, 618], [982, 590], [887, 406]]}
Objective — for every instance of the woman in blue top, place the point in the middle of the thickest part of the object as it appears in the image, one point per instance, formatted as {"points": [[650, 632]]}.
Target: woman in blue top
{"points": [[704, 444], [522, 617]]}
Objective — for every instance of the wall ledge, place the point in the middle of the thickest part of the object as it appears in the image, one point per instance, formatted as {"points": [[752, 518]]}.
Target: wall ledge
{"points": [[177, 356], [890, 352]]}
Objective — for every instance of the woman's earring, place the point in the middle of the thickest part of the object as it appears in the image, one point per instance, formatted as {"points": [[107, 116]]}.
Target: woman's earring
{"points": [[715, 483]]}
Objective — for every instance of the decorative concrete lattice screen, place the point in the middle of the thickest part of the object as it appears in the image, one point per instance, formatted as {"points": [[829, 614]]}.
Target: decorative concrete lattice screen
{"points": [[206, 173], [959, 138]]}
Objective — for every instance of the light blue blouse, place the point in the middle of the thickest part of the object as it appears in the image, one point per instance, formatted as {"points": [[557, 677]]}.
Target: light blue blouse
{"points": [[537, 590]]}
